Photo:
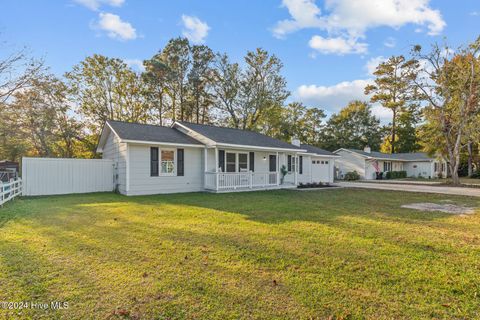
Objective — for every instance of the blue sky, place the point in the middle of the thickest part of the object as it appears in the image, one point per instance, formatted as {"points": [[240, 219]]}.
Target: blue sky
{"points": [[326, 46]]}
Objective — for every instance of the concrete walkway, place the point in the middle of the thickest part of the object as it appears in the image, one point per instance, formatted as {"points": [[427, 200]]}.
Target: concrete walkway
{"points": [[472, 192]]}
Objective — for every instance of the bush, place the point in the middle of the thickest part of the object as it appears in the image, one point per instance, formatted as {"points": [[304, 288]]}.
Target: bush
{"points": [[476, 175], [396, 174], [352, 176]]}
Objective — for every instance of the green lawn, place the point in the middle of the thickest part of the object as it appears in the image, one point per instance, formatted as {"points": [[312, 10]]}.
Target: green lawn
{"points": [[343, 253]]}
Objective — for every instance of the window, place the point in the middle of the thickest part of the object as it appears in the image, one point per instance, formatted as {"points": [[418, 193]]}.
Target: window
{"points": [[153, 162], [231, 162], [242, 162], [387, 166], [313, 162], [294, 164], [272, 163], [300, 165], [167, 161], [289, 163], [326, 162]]}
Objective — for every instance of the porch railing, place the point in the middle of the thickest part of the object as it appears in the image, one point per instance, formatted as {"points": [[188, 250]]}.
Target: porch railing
{"points": [[9, 190], [239, 180]]}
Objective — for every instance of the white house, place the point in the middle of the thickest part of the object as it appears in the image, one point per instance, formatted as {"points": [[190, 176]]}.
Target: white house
{"points": [[188, 157], [367, 163]]}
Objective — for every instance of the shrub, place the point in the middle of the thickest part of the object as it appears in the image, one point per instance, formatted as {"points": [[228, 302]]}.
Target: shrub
{"points": [[396, 174], [352, 176], [476, 175]]}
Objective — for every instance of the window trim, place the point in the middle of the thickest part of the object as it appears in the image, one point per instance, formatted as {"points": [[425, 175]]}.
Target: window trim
{"points": [[167, 174]]}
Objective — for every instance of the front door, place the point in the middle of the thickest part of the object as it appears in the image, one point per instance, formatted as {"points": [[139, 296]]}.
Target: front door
{"points": [[272, 163]]}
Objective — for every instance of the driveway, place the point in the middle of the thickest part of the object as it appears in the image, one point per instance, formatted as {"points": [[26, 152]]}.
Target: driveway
{"points": [[473, 192]]}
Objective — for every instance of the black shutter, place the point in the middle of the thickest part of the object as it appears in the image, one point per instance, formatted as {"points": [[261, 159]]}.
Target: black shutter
{"points": [[154, 161], [289, 163], [252, 161], [221, 160], [180, 162], [300, 168]]}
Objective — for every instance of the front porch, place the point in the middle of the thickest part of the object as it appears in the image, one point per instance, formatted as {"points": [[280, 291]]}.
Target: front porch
{"points": [[245, 181], [239, 169]]}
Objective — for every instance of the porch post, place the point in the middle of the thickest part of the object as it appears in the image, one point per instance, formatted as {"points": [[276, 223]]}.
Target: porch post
{"points": [[216, 168], [205, 154], [295, 158], [277, 165]]}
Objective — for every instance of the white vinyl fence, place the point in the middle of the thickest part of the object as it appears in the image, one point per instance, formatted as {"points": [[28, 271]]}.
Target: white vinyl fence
{"points": [[45, 176], [9, 190]]}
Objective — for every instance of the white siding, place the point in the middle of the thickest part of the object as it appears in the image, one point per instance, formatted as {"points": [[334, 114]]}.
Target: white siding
{"points": [[141, 183], [348, 162], [326, 173], [415, 169], [45, 176], [117, 151]]}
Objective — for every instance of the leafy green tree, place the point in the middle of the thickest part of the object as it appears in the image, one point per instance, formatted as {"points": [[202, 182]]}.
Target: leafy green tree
{"points": [[200, 79], [107, 89], [262, 87], [226, 89], [353, 127], [451, 87], [393, 88]]}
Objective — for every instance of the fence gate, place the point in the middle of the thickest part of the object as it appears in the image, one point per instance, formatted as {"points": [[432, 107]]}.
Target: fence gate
{"points": [[45, 176]]}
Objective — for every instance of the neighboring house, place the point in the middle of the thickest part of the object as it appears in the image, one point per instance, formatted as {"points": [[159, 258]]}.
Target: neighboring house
{"points": [[367, 163], [187, 157], [8, 170]]}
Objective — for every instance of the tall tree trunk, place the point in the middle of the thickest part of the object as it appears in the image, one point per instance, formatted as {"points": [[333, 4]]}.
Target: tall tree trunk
{"points": [[394, 130], [470, 158]]}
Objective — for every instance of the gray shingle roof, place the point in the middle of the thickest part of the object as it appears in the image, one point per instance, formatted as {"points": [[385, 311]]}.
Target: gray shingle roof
{"points": [[146, 132], [414, 156], [237, 136], [316, 150]]}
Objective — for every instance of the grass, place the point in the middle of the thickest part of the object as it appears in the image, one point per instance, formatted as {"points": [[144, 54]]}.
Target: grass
{"points": [[343, 253]]}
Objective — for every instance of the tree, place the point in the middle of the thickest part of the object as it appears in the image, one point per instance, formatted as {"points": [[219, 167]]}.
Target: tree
{"points": [[226, 89], [41, 115], [177, 57], [261, 87], [451, 87], [199, 80], [353, 127], [107, 89], [393, 88], [294, 120], [16, 71]]}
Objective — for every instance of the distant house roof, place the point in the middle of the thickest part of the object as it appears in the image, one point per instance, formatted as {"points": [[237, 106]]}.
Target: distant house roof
{"points": [[414, 156], [152, 133], [316, 150], [222, 135]]}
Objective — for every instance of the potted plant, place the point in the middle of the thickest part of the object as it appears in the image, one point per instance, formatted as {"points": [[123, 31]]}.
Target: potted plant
{"points": [[283, 171]]}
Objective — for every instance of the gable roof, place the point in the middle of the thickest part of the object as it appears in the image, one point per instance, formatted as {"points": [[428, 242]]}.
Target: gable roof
{"points": [[230, 136], [150, 133], [316, 150], [413, 156]]}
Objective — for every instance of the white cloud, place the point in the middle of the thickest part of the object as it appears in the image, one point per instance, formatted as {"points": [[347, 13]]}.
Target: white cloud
{"points": [[335, 97], [115, 27], [135, 64], [304, 13], [194, 30], [475, 13], [390, 42], [373, 63], [95, 4], [337, 45], [351, 19]]}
